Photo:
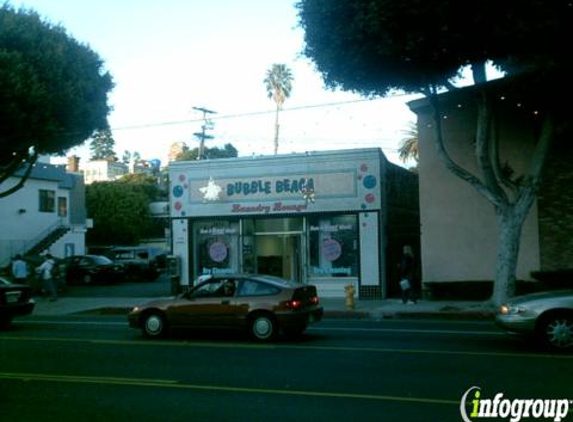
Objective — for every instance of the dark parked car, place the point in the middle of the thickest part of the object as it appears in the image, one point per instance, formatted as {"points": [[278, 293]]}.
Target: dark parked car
{"points": [[262, 305], [548, 316], [141, 263], [89, 269], [15, 300]]}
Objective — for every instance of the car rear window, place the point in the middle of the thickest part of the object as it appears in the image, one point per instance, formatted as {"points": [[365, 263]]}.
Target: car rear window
{"points": [[257, 288], [281, 281]]}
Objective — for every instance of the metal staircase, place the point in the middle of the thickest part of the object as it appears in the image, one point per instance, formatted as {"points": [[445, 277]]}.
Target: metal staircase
{"points": [[46, 239]]}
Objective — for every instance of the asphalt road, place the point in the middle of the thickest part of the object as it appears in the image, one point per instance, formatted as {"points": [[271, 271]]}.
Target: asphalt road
{"points": [[87, 368]]}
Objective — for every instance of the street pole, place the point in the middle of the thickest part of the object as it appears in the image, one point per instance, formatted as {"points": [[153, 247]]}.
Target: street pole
{"points": [[207, 125]]}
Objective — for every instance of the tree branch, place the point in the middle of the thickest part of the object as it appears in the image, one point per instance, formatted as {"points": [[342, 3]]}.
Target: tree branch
{"points": [[30, 161], [541, 151], [483, 146], [503, 179], [450, 164]]}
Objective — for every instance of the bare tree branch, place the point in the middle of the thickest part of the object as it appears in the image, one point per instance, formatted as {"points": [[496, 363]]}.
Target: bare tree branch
{"points": [[30, 161], [483, 151], [450, 164]]}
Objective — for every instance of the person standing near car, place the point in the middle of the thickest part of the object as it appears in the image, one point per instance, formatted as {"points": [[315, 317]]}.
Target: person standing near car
{"points": [[407, 274], [19, 270], [46, 272]]}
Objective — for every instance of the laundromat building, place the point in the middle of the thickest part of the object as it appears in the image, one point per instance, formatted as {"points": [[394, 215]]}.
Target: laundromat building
{"points": [[328, 218]]}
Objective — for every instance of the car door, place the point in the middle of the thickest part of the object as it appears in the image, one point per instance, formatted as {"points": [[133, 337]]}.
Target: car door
{"points": [[206, 307], [72, 270]]}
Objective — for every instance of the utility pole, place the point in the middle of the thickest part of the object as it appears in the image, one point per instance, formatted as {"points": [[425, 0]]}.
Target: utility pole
{"points": [[207, 125]]}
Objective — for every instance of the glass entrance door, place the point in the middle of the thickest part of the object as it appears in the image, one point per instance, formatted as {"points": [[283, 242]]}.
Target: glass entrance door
{"points": [[279, 255]]}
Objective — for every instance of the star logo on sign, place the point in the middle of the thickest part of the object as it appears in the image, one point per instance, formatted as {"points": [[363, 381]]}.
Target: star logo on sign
{"points": [[212, 191]]}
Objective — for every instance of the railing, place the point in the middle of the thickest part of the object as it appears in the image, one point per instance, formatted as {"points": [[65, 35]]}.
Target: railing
{"points": [[30, 244]]}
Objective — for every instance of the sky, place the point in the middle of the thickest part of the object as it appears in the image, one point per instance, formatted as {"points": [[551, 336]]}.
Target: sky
{"points": [[167, 57]]}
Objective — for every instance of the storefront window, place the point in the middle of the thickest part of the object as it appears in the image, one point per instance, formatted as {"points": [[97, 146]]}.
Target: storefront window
{"points": [[217, 247], [333, 246]]}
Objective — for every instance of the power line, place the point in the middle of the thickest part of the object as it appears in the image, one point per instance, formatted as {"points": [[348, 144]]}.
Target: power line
{"points": [[254, 113]]}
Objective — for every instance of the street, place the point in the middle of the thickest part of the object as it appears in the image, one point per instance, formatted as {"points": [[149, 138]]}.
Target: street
{"points": [[96, 368]]}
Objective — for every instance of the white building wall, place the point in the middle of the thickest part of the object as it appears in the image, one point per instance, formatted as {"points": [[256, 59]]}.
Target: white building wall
{"points": [[103, 171], [458, 225], [22, 224]]}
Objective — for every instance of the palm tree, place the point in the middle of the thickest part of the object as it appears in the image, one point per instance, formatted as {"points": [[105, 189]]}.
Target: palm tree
{"points": [[279, 85], [408, 148]]}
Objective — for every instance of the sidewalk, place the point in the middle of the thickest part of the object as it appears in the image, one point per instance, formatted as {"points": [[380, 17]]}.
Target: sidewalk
{"points": [[333, 308]]}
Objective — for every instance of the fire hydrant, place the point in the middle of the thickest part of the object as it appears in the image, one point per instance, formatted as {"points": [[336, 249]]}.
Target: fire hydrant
{"points": [[349, 292]]}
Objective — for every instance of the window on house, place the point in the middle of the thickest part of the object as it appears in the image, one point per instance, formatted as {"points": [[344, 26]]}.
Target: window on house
{"points": [[62, 206], [47, 200]]}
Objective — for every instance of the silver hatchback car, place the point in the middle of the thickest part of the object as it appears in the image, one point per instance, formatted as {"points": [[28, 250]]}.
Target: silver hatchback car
{"points": [[548, 316]]}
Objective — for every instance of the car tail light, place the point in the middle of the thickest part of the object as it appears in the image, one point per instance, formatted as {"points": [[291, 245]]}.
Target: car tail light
{"points": [[294, 304], [314, 300]]}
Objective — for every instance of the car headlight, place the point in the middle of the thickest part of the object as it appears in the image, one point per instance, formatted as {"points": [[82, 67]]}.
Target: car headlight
{"points": [[507, 309]]}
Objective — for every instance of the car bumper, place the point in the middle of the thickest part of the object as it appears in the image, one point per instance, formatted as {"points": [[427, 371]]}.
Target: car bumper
{"points": [[17, 309], [134, 320], [300, 319], [516, 323]]}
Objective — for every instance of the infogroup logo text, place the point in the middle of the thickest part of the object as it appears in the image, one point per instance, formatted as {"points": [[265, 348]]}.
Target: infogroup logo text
{"points": [[513, 409]]}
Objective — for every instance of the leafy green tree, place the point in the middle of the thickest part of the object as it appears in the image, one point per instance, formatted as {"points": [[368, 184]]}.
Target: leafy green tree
{"points": [[279, 86], [126, 157], [375, 46], [408, 149], [228, 151], [101, 145], [120, 213], [120, 209], [53, 92], [144, 182]]}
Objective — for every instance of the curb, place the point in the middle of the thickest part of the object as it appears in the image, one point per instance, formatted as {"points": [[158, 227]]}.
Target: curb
{"points": [[448, 315]]}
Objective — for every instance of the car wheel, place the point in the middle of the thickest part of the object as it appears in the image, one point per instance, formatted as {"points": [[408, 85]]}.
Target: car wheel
{"points": [[557, 331], [154, 325], [263, 327], [87, 279]]}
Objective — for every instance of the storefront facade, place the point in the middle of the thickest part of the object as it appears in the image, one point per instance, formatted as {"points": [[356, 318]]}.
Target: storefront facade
{"points": [[312, 218]]}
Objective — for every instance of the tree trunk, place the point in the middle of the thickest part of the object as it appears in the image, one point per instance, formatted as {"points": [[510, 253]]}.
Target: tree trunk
{"points": [[276, 140], [509, 226], [510, 220]]}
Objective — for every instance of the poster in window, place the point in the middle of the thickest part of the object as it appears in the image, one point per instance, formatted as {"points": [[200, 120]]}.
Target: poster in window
{"points": [[331, 249], [218, 251]]}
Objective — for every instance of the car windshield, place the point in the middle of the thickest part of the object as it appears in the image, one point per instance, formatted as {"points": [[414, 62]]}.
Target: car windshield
{"points": [[102, 260]]}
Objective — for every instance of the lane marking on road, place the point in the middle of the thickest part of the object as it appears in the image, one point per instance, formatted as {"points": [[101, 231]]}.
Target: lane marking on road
{"points": [[200, 344], [48, 322], [216, 388], [410, 331]]}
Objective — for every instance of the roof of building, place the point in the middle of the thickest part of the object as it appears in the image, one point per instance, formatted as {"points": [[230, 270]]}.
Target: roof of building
{"points": [[51, 172]]}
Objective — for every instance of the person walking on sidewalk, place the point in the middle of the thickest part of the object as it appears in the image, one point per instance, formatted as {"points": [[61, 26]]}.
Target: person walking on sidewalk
{"points": [[46, 272], [407, 274], [19, 270]]}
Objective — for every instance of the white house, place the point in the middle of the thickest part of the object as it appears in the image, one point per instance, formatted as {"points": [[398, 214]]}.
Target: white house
{"points": [[47, 214], [103, 170]]}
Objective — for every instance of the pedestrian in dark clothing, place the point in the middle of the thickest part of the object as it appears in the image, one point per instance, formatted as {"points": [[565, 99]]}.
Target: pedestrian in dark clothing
{"points": [[407, 274]]}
